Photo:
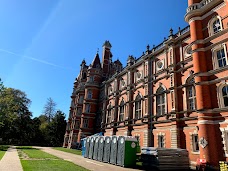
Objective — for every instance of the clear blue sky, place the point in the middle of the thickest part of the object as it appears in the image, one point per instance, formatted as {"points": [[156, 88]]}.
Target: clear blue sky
{"points": [[42, 42]]}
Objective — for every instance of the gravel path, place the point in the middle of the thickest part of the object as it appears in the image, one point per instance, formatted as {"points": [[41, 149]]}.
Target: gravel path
{"points": [[86, 163], [10, 161]]}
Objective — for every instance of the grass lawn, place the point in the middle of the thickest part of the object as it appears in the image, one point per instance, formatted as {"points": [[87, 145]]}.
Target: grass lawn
{"points": [[47, 165], [3, 149], [78, 152], [42, 161], [36, 153]]}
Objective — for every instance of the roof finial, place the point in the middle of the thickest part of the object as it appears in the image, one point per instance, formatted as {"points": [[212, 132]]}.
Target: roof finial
{"points": [[97, 50]]}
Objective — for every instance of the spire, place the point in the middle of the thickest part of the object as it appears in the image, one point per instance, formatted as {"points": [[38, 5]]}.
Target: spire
{"points": [[96, 61]]}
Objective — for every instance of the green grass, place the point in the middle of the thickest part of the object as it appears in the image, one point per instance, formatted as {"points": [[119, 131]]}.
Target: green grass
{"points": [[47, 165], [37, 154], [3, 149], [78, 152]]}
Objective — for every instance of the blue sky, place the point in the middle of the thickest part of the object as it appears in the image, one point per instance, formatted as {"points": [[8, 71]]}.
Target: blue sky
{"points": [[42, 42]]}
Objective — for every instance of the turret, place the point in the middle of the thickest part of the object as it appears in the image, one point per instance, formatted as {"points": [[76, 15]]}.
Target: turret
{"points": [[107, 57]]}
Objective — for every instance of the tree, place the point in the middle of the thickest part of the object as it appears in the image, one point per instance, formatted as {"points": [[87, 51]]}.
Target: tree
{"points": [[56, 129], [49, 109], [14, 114]]}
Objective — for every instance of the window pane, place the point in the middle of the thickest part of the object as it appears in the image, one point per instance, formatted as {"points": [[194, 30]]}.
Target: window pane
{"points": [[218, 54], [163, 98], [225, 91], [163, 109], [226, 101]]}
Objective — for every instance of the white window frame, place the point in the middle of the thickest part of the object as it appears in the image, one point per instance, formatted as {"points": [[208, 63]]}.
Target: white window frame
{"points": [[161, 140], [195, 144], [211, 25], [109, 115], [138, 111], [193, 97], [220, 95], [160, 104], [121, 113]]}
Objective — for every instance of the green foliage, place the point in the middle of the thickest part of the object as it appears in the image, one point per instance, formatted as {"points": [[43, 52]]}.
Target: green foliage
{"points": [[17, 126], [73, 151], [47, 165], [15, 117]]}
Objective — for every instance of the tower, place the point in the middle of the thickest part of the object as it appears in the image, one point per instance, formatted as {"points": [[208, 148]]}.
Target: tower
{"points": [[106, 58], [90, 104], [207, 127]]}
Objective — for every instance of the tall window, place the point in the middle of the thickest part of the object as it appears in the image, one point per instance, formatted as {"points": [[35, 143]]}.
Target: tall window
{"points": [[161, 141], [90, 94], [191, 95], [121, 115], [87, 109], [81, 98], [109, 116], [195, 143], [138, 110], [221, 57], [216, 26], [77, 125], [85, 123], [225, 95], [160, 101]]}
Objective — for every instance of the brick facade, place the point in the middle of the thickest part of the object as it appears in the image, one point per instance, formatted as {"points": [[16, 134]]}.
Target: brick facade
{"points": [[175, 95]]}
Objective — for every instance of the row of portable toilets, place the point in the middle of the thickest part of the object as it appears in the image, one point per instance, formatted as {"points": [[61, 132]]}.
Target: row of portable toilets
{"points": [[111, 149]]}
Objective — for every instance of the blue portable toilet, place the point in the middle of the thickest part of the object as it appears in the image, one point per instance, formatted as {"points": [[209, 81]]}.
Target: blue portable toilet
{"points": [[83, 143]]}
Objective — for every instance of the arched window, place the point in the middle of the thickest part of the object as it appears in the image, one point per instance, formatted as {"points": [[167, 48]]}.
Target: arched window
{"points": [[138, 110], [191, 94], [225, 95], [121, 114], [215, 25], [160, 101], [109, 115]]}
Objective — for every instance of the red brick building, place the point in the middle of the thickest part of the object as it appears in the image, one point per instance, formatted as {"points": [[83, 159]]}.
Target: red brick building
{"points": [[174, 95]]}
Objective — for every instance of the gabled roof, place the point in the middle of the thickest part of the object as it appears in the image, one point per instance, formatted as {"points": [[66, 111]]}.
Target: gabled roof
{"points": [[96, 62]]}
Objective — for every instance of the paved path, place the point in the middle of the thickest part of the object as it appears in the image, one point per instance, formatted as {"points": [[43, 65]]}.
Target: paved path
{"points": [[10, 161], [81, 161]]}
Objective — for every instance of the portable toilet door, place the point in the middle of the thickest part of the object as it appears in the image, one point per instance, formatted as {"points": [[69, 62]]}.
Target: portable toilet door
{"points": [[120, 151], [91, 147], [100, 149], [126, 155], [87, 147], [96, 146], [107, 149], [83, 144], [113, 153]]}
